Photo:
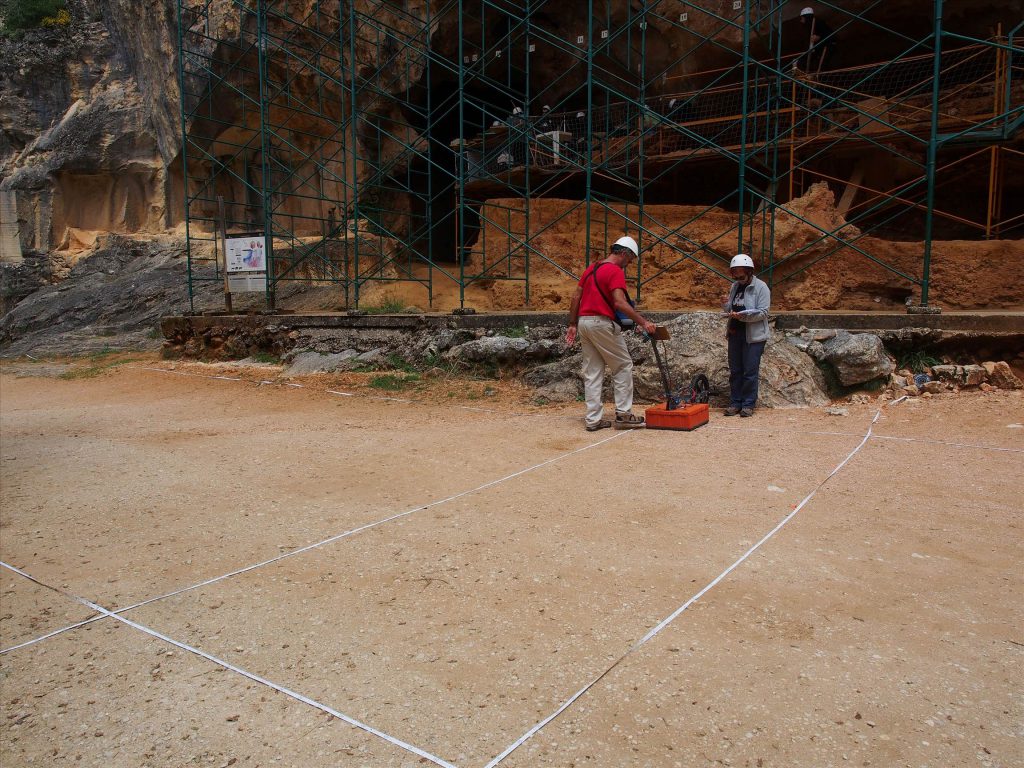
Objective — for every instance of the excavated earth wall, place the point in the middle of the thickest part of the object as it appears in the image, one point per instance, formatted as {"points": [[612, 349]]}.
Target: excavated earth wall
{"points": [[90, 146]]}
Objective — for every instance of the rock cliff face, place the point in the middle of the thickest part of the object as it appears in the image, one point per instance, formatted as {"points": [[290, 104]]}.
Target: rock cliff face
{"points": [[90, 130], [90, 133]]}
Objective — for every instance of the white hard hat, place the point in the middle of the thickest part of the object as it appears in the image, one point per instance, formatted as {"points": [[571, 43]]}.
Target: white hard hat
{"points": [[741, 260], [630, 243], [545, 108], [808, 11], [671, 103]]}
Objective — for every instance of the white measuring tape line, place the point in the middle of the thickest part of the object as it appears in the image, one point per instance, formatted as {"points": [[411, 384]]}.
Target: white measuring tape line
{"points": [[243, 672], [672, 616], [322, 543], [55, 632]]}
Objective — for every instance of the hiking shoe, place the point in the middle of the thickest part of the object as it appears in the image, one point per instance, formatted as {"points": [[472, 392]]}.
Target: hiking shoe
{"points": [[602, 424], [628, 421], [745, 412], [732, 410]]}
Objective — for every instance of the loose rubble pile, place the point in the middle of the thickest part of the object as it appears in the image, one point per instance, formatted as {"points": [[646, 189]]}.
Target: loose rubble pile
{"points": [[937, 379], [862, 360]]}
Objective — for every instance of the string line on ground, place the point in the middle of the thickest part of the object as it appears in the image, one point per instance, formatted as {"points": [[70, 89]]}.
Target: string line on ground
{"points": [[675, 614], [238, 670], [324, 542]]}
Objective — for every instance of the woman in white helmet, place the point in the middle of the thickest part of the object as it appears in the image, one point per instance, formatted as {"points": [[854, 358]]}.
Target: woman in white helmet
{"points": [[600, 294], [747, 308]]}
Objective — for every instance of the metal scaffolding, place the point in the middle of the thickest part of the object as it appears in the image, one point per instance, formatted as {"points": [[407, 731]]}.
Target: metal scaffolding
{"points": [[373, 144]]}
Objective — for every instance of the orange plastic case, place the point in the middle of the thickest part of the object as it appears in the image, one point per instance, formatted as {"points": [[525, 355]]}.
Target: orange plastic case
{"points": [[686, 417]]}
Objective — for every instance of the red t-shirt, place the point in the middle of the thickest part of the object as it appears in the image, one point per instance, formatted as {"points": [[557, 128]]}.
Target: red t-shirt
{"points": [[610, 277]]}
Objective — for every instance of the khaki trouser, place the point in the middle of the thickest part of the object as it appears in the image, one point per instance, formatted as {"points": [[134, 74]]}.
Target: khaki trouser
{"points": [[603, 345]]}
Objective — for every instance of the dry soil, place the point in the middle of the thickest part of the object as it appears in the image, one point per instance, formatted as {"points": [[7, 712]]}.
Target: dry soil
{"points": [[501, 559]]}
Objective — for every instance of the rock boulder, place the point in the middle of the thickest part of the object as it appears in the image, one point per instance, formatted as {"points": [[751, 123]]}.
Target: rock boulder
{"points": [[856, 357], [314, 362], [1000, 375], [502, 350]]}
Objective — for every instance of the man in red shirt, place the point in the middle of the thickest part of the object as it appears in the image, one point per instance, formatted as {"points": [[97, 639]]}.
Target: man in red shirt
{"points": [[600, 293]]}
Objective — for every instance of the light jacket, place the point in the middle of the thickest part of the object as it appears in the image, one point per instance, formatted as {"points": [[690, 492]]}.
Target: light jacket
{"points": [[758, 297]]}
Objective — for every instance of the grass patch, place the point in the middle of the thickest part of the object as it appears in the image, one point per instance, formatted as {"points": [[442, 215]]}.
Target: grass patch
{"points": [[390, 382], [388, 306], [486, 370], [916, 360], [96, 363], [84, 372], [398, 363], [516, 332], [266, 357]]}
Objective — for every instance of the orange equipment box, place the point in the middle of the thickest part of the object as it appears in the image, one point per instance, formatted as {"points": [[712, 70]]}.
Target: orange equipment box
{"points": [[685, 417]]}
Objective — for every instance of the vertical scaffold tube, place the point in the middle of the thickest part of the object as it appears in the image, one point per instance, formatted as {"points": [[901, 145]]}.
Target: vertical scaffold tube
{"points": [[742, 181], [933, 148]]}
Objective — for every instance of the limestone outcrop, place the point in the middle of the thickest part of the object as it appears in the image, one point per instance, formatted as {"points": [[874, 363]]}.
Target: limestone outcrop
{"points": [[90, 127]]}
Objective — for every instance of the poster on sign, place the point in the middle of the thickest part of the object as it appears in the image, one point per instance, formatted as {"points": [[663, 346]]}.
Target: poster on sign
{"points": [[246, 254], [245, 263]]}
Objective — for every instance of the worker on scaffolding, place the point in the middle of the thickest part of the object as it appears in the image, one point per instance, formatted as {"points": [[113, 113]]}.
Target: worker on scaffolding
{"points": [[821, 43], [545, 124]]}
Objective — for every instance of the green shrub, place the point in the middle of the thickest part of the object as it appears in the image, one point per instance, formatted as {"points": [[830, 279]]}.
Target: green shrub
{"points": [[29, 14]]}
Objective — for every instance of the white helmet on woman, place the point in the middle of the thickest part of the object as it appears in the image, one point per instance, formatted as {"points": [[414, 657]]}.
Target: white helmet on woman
{"points": [[741, 260]]}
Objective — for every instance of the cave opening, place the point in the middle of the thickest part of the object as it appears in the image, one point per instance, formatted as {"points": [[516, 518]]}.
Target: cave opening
{"points": [[440, 113], [432, 107]]}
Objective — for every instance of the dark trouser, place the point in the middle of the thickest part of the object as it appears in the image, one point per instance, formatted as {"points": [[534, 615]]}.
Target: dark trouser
{"points": [[744, 363], [816, 60]]}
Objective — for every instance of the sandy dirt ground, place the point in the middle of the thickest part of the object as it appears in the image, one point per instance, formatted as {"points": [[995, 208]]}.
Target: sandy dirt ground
{"points": [[492, 559]]}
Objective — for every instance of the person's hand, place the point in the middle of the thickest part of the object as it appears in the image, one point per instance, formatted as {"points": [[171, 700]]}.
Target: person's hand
{"points": [[648, 327], [570, 335]]}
